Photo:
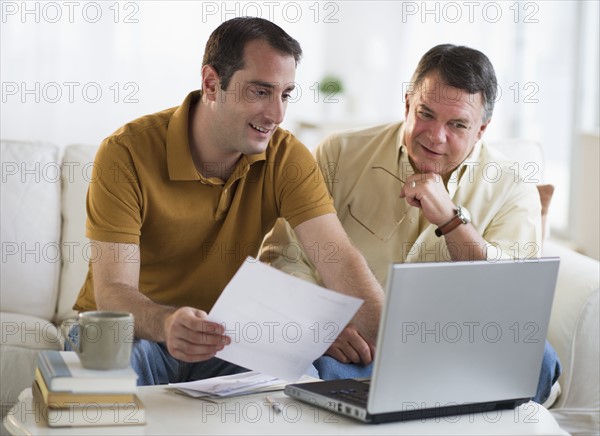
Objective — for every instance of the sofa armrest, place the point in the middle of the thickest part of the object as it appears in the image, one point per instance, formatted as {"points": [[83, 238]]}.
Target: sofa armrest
{"points": [[574, 329]]}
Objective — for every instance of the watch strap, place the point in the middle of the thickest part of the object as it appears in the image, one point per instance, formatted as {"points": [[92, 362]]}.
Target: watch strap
{"points": [[449, 226]]}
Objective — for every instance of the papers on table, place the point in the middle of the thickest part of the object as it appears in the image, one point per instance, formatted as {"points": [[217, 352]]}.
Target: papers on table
{"points": [[228, 385], [250, 382], [279, 324]]}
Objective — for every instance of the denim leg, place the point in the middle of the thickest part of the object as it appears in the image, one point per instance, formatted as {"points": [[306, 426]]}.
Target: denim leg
{"points": [[153, 363], [155, 366], [549, 374], [331, 369], [73, 336]]}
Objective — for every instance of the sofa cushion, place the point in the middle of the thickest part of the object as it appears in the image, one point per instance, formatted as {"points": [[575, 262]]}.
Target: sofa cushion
{"points": [[574, 333], [29, 332], [30, 230], [17, 366], [77, 167]]}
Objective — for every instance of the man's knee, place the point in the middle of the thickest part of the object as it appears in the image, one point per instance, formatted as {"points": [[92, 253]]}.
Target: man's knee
{"points": [[549, 373], [550, 363], [332, 369]]}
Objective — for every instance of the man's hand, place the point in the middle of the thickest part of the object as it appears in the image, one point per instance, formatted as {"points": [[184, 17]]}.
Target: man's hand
{"points": [[191, 337], [428, 192], [350, 347]]}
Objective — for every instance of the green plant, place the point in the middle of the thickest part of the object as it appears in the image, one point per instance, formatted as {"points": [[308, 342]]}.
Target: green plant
{"points": [[331, 85]]}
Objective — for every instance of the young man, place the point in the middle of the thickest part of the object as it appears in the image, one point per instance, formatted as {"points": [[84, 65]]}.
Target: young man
{"points": [[418, 190], [181, 197]]}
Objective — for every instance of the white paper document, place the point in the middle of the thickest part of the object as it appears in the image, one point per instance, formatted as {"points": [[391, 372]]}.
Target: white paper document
{"points": [[228, 385], [279, 324], [236, 384]]}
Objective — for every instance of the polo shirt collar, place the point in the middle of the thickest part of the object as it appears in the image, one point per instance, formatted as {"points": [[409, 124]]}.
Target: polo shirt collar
{"points": [[179, 158], [465, 168]]}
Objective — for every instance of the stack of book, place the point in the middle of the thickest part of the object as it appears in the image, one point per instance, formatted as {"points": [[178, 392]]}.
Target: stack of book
{"points": [[67, 394]]}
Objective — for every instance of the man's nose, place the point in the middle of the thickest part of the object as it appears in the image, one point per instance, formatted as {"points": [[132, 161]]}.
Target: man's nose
{"points": [[437, 133], [276, 111]]}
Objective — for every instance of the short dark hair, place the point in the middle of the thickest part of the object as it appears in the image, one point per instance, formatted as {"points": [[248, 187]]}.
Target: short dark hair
{"points": [[225, 47], [463, 68]]}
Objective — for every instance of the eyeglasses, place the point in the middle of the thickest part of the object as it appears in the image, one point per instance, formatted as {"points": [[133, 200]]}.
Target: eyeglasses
{"points": [[383, 234]]}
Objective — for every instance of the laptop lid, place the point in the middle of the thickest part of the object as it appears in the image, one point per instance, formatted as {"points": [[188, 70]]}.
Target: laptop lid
{"points": [[461, 332]]}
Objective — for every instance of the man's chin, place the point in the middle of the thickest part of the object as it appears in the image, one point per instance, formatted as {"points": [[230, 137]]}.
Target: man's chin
{"points": [[256, 148]]}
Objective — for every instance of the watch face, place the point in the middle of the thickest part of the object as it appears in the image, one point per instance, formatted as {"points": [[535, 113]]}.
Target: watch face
{"points": [[463, 214]]}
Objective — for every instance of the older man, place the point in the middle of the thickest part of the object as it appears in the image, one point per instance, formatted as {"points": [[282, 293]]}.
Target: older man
{"points": [[421, 191]]}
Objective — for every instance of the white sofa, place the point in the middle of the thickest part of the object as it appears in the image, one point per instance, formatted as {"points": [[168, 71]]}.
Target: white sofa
{"points": [[45, 256]]}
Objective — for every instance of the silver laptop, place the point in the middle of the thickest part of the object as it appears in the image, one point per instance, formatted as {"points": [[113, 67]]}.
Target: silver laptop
{"points": [[454, 337]]}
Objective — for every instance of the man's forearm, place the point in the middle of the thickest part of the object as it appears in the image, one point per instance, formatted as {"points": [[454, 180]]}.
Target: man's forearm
{"points": [[465, 244], [149, 317]]}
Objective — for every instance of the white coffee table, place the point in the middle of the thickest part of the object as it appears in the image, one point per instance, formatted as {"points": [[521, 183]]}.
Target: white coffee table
{"points": [[170, 413]]}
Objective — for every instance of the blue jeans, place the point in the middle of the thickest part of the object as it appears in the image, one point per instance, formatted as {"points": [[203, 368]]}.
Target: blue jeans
{"points": [[155, 366], [331, 369]]}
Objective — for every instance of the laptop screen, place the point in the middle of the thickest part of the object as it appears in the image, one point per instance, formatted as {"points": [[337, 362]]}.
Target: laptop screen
{"points": [[461, 332]]}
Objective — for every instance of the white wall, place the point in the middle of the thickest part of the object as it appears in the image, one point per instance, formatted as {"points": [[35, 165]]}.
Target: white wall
{"points": [[56, 57], [145, 56]]}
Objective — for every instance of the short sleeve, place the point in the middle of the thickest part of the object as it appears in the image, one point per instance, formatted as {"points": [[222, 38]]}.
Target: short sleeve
{"points": [[114, 201], [300, 188]]}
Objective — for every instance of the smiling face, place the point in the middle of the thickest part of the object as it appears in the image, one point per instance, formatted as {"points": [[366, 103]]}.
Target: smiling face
{"points": [[442, 125], [245, 116]]}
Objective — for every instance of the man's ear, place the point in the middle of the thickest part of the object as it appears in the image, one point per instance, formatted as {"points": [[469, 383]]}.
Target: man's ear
{"points": [[482, 129], [406, 105], [210, 83]]}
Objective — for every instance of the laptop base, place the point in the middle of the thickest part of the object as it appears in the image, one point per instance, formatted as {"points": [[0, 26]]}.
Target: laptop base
{"points": [[333, 395]]}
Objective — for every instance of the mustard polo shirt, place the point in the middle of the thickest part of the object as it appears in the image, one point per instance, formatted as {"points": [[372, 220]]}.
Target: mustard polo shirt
{"points": [[193, 233]]}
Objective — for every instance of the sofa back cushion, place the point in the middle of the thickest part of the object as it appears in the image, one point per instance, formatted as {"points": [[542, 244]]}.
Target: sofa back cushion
{"points": [[528, 158], [77, 164], [30, 230]]}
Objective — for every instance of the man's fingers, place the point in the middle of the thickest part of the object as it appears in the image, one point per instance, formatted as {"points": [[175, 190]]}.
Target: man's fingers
{"points": [[187, 352], [197, 320], [337, 354], [350, 346], [202, 337], [364, 354], [349, 352], [191, 337]]}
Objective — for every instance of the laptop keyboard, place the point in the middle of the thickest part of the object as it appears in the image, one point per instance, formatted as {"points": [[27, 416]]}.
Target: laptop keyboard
{"points": [[358, 396]]}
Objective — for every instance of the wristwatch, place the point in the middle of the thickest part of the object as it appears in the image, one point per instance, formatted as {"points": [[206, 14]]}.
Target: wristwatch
{"points": [[462, 217]]}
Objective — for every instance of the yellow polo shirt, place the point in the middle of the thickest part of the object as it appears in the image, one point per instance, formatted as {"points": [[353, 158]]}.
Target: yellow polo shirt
{"points": [[193, 233], [504, 209]]}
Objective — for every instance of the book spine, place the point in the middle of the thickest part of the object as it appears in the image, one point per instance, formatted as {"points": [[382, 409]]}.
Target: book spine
{"points": [[57, 364], [44, 369], [52, 365], [39, 379]]}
